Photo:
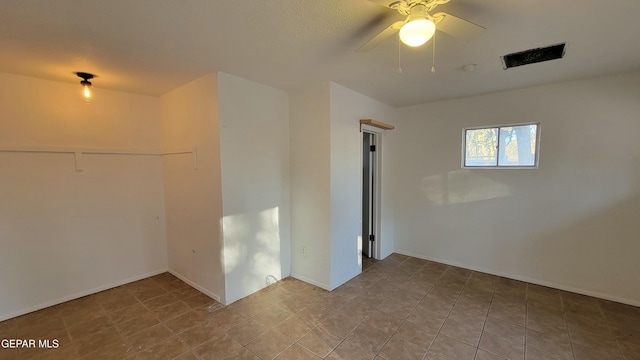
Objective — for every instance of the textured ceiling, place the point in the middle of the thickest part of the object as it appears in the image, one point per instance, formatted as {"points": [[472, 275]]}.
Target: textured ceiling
{"points": [[153, 46]]}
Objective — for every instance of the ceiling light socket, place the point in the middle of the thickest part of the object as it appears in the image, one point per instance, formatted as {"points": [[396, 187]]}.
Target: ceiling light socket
{"points": [[469, 67], [85, 76], [86, 84]]}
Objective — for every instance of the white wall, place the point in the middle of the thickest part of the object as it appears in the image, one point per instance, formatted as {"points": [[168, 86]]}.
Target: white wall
{"points": [[63, 233], [326, 189], [347, 108], [309, 146], [571, 224], [193, 197], [254, 148]]}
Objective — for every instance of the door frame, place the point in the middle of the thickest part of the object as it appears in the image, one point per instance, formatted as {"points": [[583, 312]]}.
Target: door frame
{"points": [[377, 185]]}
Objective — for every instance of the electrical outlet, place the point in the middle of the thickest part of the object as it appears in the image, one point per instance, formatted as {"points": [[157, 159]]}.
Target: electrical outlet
{"points": [[303, 250]]}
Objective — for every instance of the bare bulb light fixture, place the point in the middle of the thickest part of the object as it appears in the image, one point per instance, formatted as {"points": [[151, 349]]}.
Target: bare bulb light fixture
{"points": [[419, 28], [86, 84]]}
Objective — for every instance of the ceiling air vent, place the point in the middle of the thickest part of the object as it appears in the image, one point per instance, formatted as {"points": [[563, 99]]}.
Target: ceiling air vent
{"points": [[533, 56]]}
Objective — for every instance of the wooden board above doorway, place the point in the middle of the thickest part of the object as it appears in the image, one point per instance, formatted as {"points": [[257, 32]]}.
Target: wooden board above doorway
{"points": [[376, 123]]}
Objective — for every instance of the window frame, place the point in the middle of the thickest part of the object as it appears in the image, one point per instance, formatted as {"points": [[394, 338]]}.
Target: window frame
{"points": [[536, 159]]}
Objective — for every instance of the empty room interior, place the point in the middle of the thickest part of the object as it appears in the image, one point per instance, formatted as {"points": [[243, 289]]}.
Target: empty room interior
{"points": [[298, 179]]}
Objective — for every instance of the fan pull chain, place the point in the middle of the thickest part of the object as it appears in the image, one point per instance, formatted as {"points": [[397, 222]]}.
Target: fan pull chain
{"points": [[399, 47], [433, 67]]}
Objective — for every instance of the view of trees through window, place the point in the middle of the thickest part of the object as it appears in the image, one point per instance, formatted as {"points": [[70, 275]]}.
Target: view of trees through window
{"points": [[504, 146]]}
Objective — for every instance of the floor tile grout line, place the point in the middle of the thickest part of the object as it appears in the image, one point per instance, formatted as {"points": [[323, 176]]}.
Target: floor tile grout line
{"points": [[620, 352], [455, 303], [426, 355], [161, 322], [71, 340], [484, 326], [118, 328], [566, 323], [530, 303], [607, 325], [351, 332], [405, 319], [354, 329], [526, 322]]}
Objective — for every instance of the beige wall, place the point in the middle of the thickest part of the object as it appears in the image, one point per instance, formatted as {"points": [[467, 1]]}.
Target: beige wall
{"points": [[193, 197], [347, 108], [65, 233], [254, 145], [69, 233], [326, 172], [310, 147], [570, 224]]}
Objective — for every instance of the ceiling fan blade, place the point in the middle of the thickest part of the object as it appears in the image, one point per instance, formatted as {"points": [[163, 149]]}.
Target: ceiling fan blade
{"points": [[457, 27], [384, 35], [385, 3]]}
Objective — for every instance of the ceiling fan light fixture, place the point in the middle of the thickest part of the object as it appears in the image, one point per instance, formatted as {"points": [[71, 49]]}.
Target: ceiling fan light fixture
{"points": [[417, 32], [419, 28]]}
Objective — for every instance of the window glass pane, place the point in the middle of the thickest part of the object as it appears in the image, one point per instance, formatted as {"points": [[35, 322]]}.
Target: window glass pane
{"points": [[480, 147], [518, 145]]}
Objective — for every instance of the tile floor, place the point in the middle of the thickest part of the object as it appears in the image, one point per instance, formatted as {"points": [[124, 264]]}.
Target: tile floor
{"points": [[399, 308]]}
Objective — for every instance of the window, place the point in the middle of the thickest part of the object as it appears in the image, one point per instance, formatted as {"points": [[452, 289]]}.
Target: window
{"points": [[509, 146]]}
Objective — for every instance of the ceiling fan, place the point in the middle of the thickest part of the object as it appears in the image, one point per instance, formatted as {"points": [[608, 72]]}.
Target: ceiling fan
{"points": [[420, 25]]}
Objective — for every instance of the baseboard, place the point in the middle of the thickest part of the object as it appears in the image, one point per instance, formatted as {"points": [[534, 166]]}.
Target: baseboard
{"points": [[527, 279], [312, 282], [210, 294], [80, 294], [345, 280]]}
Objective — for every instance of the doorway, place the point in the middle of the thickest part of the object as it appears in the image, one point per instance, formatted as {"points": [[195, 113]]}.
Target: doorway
{"points": [[370, 195]]}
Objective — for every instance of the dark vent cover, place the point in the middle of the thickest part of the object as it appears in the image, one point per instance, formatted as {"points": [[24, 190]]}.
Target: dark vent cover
{"points": [[533, 56]]}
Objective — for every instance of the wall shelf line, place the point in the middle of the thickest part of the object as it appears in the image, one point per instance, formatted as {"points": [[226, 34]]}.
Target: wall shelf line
{"points": [[78, 153]]}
